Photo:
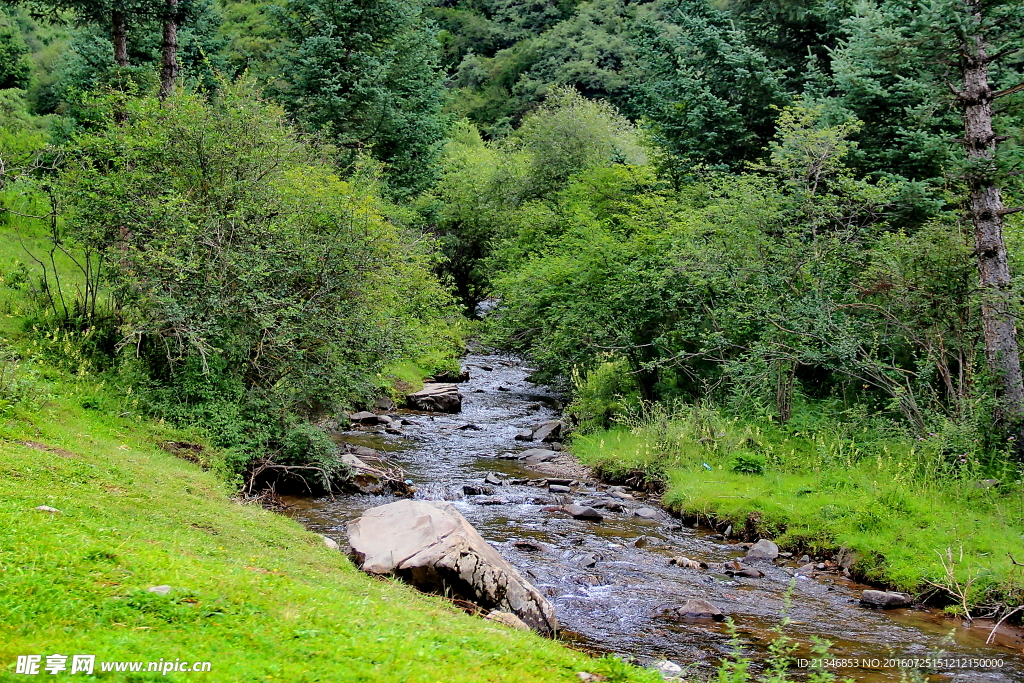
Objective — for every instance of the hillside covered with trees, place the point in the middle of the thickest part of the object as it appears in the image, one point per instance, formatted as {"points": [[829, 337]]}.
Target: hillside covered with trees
{"points": [[777, 241]]}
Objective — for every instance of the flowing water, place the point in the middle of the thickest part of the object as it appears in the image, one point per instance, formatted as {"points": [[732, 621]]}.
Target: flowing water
{"points": [[613, 605]]}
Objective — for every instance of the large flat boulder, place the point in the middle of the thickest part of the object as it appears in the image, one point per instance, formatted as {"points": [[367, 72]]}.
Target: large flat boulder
{"points": [[432, 546], [436, 398]]}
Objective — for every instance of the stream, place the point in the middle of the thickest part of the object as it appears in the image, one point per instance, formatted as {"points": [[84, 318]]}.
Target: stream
{"points": [[609, 580]]}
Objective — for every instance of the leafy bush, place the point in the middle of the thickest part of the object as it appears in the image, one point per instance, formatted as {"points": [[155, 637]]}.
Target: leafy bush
{"points": [[600, 396], [748, 463], [252, 288]]}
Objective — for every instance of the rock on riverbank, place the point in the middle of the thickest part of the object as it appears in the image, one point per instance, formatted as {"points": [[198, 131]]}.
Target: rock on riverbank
{"points": [[431, 545]]}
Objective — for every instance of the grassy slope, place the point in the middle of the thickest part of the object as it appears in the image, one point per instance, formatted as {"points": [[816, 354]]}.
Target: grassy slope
{"points": [[254, 593], [822, 493]]}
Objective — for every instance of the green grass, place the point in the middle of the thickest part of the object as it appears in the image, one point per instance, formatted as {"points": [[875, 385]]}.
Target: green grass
{"points": [[914, 515], [253, 592]]}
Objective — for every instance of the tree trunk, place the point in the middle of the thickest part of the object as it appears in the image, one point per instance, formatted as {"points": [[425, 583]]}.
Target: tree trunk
{"points": [[986, 213], [169, 68], [119, 36]]}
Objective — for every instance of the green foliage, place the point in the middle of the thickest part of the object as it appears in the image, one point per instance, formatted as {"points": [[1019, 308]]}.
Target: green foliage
{"points": [[569, 134], [15, 65], [365, 73], [601, 395], [707, 91], [248, 281], [748, 463]]}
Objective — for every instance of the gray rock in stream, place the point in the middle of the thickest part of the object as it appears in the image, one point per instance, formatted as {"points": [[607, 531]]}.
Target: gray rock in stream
{"points": [[763, 550], [439, 398], [700, 609], [583, 512], [885, 599], [431, 545]]}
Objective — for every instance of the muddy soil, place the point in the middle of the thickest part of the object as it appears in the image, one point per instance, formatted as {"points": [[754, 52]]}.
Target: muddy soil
{"points": [[610, 580]]}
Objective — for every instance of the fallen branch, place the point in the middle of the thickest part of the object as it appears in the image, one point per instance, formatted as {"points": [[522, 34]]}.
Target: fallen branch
{"points": [[992, 635]]}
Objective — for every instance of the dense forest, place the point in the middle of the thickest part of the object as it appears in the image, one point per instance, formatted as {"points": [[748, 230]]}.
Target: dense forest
{"points": [[757, 237]]}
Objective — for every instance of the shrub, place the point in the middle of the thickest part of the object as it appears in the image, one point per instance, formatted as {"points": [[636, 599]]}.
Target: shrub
{"points": [[748, 463]]}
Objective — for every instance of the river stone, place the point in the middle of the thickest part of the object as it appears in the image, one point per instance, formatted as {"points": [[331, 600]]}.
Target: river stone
{"points": [[493, 479], [364, 417], [331, 543], [667, 668], [885, 599], [526, 435], [431, 545], [846, 558], [507, 619], [700, 609], [647, 513], [384, 403], [763, 550], [583, 512], [749, 572], [439, 398], [549, 431], [471, 490], [535, 455], [557, 488], [364, 452], [586, 560], [805, 570], [452, 377]]}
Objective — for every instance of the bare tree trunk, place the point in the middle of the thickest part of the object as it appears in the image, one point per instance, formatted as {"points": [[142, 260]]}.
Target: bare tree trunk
{"points": [[119, 36], [986, 212], [169, 68]]}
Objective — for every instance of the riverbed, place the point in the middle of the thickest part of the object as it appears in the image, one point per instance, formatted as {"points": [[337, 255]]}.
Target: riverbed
{"points": [[611, 582]]}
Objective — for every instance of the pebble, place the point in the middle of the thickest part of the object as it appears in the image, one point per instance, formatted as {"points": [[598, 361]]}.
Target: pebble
{"points": [[159, 590], [47, 508]]}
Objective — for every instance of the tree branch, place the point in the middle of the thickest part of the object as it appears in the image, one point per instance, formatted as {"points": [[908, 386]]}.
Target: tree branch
{"points": [[1008, 91]]}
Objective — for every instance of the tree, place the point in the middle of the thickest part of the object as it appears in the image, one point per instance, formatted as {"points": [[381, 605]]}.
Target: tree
{"points": [[705, 89], [15, 66], [249, 282], [986, 33], [365, 73], [970, 48]]}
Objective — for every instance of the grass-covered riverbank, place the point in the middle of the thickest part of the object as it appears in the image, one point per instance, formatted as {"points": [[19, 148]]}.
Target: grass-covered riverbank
{"points": [[252, 592], [920, 517]]}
